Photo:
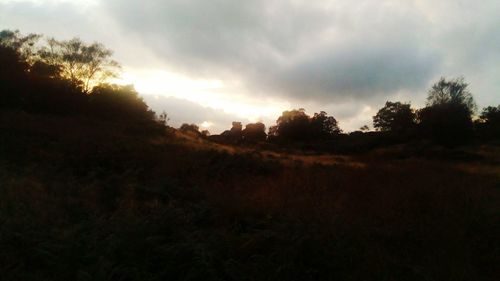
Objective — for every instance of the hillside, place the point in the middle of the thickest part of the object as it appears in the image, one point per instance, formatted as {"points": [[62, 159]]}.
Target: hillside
{"points": [[84, 199]]}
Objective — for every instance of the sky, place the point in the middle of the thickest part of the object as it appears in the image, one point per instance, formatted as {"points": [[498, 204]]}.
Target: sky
{"points": [[211, 62]]}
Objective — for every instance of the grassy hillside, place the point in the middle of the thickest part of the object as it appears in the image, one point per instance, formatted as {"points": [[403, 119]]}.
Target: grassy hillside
{"points": [[82, 199]]}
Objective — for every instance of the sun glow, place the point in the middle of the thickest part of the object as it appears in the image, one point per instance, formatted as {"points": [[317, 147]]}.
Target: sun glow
{"points": [[208, 93]]}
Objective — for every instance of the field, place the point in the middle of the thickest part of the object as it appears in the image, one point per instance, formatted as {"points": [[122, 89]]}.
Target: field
{"points": [[88, 200]]}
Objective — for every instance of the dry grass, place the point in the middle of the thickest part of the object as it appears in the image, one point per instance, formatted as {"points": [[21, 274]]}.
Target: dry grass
{"points": [[89, 201]]}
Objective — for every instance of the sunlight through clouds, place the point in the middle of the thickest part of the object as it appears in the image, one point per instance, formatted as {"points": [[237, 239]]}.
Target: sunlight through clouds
{"points": [[208, 93], [255, 59]]}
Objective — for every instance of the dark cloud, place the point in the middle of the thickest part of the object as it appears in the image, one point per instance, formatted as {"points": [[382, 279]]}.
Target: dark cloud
{"points": [[341, 55], [360, 72], [262, 43]]}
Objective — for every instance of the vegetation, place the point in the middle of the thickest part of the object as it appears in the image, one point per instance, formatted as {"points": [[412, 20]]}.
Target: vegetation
{"points": [[394, 116], [94, 186]]}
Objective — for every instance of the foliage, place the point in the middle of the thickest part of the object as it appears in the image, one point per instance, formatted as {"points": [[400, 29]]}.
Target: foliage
{"points": [[24, 45], [489, 122], [448, 124], [453, 91], [448, 115], [254, 132], [193, 128], [55, 79], [117, 102], [84, 64], [324, 126], [234, 135], [491, 114], [296, 125], [394, 116], [88, 64], [364, 128]]}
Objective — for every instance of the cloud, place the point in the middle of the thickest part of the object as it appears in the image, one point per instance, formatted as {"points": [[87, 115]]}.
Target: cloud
{"points": [[346, 56], [289, 48], [183, 111]]}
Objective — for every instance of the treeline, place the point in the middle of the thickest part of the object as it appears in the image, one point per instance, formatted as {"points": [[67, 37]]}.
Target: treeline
{"points": [[449, 118], [47, 76]]}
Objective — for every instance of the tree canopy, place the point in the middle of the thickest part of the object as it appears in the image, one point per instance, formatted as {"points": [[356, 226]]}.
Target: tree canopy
{"points": [[84, 64], [448, 115], [64, 77], [88, 64], [394, 116], [453, 91], [297, 125], [254, 132]]}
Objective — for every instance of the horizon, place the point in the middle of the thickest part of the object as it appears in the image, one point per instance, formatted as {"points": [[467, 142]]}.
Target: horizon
{"points": [[213, 64]]}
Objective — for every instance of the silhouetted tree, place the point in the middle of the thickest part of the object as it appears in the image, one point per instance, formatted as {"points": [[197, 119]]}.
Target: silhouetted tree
{"points": [[394, 116], [13, 78], [452, 91], [323, 126], [163, 118], [117, 102], [293, 125], [88, 64], [364, 128], [298, 126], [235, 134], [254, 132], [24, 45], [489, 122], [193, 128], [448, 115]]}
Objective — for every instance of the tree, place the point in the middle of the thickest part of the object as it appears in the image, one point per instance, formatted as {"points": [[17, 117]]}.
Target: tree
{"points": [[118, 102], [448, 115], [293, 125], [491, 114], [24, 45], [190, 128], [235, 134], [163, 118], [254, 132], [394, 116], [13, 78], [364, 128], [454, 91], [489, 122], [324, 126], [85, 64], [298, 126]]}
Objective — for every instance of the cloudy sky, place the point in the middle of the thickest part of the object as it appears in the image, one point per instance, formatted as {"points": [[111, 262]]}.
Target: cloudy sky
{"points": [[214, 61]]}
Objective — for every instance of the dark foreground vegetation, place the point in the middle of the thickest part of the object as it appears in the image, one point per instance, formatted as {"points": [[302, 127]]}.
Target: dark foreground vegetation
{"points": [[105, 191]]}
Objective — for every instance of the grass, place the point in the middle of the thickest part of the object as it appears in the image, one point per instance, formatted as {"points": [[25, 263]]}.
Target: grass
{"points": [[86, 200]]}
